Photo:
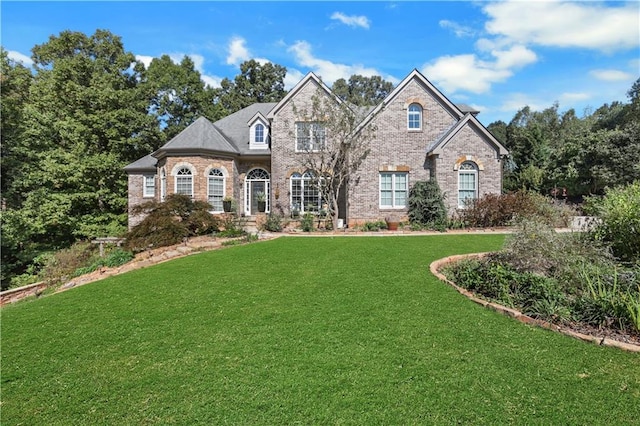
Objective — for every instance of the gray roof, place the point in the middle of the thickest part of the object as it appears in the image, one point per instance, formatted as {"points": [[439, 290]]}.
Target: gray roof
{"points": [[467, 108], [201, 135], [235, 127], [146, 163]]}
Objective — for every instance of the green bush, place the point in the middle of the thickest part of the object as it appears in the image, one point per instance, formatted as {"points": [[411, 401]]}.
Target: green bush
{"points": [[169, 222], [426, 204], [619, 225], [376, 225], [306, 222], [273, 223], [113, 259]]}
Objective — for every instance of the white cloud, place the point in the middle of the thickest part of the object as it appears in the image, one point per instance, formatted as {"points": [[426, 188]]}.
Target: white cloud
{"points": [[292, 78], [468, 72], [516, 57], [352, 21], [611, 75], [146, 60], [565, 24], [238, 52], [458, 30], [19, 57], [515, 101], [570, 97], [330, 71]]}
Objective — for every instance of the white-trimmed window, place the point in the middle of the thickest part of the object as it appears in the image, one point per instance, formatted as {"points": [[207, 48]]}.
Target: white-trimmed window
{"points": [[414, 117], [149, 186], [305, 193], [184, 181], [259, 133], [467, 183], [394, 187], [310, 136], [215, 189]]}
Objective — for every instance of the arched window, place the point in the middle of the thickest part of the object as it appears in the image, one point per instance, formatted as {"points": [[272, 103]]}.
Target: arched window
{"points": [[259, 133], [215, 189], [414, 117], [305, 193], [184, 181], [467, 183]]}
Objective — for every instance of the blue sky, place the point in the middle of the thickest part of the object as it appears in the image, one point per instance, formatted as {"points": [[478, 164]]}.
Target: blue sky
{"points": [[495, 56]]}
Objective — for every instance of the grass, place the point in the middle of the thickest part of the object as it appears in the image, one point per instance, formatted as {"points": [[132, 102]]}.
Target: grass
{"points": [[301, 331]]}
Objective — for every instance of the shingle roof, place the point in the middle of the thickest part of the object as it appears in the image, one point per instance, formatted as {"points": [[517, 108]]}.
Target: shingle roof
{"points": [[199, 135], [146, 163], [235, 127]]}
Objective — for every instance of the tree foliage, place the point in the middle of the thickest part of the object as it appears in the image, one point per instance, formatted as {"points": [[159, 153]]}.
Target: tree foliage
{"points": [[85, 118], [255, 83], [179, 95], [585, 155], [362, 91]]}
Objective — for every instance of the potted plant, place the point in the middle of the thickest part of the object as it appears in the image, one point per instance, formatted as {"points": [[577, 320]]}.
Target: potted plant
{"points": [[392, 222], [226, 204], [261, 198]]}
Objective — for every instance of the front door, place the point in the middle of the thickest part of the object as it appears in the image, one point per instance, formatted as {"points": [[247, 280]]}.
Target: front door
{"points": [[257, 187], [256, 182]]}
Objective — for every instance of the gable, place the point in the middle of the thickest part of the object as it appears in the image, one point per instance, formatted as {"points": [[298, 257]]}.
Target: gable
{"points": [[305, 90], [469, 122]]}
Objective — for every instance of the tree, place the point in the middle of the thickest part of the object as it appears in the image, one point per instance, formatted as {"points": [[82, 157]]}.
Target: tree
{"points": [[170, 221], [179, 95], [345, 145], [255, 83], [15, 81], [86, 118], [362, 91]]}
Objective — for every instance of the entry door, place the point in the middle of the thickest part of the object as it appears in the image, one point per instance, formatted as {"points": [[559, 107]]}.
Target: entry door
{"points": [[256, 188]]}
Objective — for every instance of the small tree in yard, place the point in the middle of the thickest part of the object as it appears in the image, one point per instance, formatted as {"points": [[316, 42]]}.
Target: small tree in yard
{"points": [[169, 222], [337, 145], [426, 204]]}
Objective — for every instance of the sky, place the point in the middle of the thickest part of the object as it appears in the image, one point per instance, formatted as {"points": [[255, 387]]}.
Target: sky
{"points": [[495, 56]]}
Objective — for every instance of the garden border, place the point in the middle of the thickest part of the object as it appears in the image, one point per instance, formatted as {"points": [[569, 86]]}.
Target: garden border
{"points": [[513, 313]]}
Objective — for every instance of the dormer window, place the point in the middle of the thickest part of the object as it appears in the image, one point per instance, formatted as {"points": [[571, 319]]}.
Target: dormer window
{"points": [[259, 133], [414, 117]]}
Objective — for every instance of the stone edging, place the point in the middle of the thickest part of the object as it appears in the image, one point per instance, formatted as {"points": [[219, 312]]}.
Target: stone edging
{"points": [[440, 263]]}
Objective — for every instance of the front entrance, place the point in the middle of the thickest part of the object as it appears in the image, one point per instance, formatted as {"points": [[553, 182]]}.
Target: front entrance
{"points": [[256, 184]]}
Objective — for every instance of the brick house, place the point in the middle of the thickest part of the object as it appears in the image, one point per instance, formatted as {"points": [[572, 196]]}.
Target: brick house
{"points": [[419, 135]]}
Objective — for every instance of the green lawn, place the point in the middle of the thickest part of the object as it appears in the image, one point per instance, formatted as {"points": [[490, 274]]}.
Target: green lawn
{"points": [[301, 331]]}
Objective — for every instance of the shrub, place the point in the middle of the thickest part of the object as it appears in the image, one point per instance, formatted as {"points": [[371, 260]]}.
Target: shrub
{"points": [[504, 209], [113, 259], [306, 222], [232, 227], [535, 247], [273, 223], [374, 226], [426, 204], [619, 225], [169, 222]]}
